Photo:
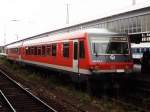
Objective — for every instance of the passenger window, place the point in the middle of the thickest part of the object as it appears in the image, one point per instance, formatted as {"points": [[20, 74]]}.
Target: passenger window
{"points": [[81, 49], [66, 49], [35, 50], [75, 50], [142, 50], [27, 50], [54, 49], [48, 49], [147, 49], [138, 50], [32, 50], [43, 50], [39, 51]]}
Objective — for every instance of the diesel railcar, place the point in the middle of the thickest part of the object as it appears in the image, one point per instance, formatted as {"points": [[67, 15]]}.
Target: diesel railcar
{"points": [[85, 52]]}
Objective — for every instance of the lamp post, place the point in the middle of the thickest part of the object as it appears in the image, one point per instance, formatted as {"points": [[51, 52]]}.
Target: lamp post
{"points": [[4, 36], [6, 28], [67, 13], [133, 2], [15, 20]]}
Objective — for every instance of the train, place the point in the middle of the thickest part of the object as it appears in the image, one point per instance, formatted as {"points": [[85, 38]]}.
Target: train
{"points": [[138, 50], [82, 53]]}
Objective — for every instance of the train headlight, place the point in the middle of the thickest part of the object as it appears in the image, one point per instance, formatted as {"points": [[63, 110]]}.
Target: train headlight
{"points": [[94, 67], [127, 67]]}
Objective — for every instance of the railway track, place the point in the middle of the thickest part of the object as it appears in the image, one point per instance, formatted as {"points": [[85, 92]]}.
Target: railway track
{"points": [[134, 95], [14, 98], [5, 105], [136, 98], [134, 102]]}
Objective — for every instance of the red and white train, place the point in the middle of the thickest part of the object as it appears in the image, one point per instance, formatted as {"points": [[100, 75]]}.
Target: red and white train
{"points": [[87, 52]]}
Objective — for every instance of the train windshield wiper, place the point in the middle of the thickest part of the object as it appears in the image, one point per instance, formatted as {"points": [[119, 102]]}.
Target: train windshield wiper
{"points": [[96, 54]]}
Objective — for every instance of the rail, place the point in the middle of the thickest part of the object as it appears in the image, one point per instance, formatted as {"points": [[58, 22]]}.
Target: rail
{"points": [[26, 91], [7, 101]]}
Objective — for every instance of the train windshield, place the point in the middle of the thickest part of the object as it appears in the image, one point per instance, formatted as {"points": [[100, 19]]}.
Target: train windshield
{"points": [[112, 45]]}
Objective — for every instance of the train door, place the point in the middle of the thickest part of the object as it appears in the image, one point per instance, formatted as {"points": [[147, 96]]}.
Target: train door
{"points": [[75, 56]]}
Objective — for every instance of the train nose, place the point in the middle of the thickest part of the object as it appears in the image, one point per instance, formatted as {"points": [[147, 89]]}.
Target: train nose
{"points": [[112, 67]]}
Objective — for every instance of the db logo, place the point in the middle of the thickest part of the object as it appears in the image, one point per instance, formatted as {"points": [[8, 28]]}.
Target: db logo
{"points": [[112, 57]]}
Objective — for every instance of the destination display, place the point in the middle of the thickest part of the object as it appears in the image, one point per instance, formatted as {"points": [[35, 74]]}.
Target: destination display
{"points": [[110, 39], [119, 39]]}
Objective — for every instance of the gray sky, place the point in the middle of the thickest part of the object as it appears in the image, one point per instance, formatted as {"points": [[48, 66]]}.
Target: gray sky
{"points": [[37, 16]]}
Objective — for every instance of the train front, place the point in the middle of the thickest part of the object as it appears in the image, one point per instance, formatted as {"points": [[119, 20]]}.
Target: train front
{"points": [[110, 53]]}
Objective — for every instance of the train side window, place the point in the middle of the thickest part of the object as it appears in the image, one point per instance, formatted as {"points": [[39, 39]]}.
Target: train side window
{"points": [[81, 49], [39, 51], [32, 50], [142, 50], [75, 50], [35, 50], [27, 50], [147, 49], [48, 49], [54, 49], [43, 50], [66, 49], [138, 50], [18, 51]]}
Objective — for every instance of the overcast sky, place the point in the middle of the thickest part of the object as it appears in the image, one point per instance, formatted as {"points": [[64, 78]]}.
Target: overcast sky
{"points": [[24, 18]]}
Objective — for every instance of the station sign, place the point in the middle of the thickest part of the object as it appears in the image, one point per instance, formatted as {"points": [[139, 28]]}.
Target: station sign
{"points": [[146, 37]]}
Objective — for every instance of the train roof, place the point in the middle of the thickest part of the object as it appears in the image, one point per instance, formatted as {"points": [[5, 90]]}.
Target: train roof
{"points": [[46, 37], [13, 45]]}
